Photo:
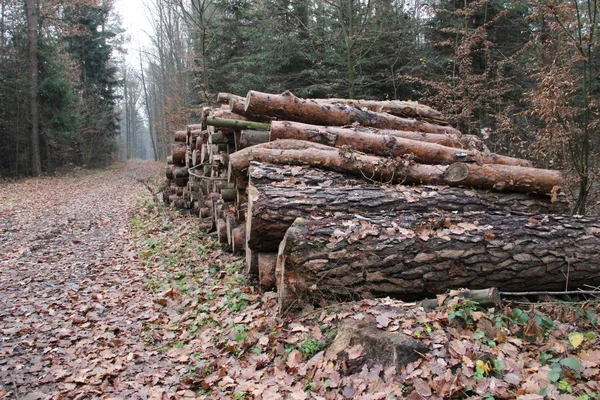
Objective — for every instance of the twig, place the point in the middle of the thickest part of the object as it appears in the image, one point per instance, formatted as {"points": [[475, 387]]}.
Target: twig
{"points": [[565, 293], [15, 388]]}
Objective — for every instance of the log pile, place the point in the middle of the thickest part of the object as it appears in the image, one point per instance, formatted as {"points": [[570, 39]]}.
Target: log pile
{"points": [[337, 199]]}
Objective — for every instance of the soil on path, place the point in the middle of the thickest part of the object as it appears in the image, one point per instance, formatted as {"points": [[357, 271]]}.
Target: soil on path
{"points": [[72, 294]]}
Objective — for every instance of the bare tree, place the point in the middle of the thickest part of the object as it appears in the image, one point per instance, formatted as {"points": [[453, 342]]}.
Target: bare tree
{"points": [[34, 102]]}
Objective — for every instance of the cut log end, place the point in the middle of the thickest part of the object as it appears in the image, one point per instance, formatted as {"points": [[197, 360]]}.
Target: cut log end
{"points": [[456, 173]]}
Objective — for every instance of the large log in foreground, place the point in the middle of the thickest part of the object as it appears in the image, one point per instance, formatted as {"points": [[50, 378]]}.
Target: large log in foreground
{"points": [[299, 129], [390, 145], [272, 208], [381, 169], [415, 255], [286, 106]]}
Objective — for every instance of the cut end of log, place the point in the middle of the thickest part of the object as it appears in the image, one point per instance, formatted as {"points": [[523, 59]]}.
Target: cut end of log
{"points": [[457, 172], [248, 98]]}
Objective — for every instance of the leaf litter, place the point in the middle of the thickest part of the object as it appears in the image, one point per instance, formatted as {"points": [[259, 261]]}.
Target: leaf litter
{"points": [[105, 294]]}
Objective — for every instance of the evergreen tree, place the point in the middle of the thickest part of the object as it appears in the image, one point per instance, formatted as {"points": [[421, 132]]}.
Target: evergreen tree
{"points": [[91, 46]]}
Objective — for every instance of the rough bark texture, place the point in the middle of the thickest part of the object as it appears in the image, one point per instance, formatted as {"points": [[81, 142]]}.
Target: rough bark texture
{"points": [[273, 174], [381, 169], [405, 109], [387, 145], [249, 138], [286, 106], [468, 142], [298, 152], [34, 97], [236, 124], [273, 208], [504, 178], [413, 255]]}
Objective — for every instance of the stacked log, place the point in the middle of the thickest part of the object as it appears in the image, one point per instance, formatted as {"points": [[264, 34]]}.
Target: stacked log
{"points": [[333, 198]]}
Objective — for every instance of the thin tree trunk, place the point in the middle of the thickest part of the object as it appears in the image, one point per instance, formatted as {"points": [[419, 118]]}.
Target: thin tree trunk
{"points": [[148, 111], [289, 107], [299, 129], [390, 145], [34, 101]]}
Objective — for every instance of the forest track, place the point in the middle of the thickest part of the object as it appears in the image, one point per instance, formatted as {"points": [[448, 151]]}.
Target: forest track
{"points": [[72, 293]]}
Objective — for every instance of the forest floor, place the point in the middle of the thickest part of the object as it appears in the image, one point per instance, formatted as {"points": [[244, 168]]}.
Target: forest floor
{"points": [[104, 293]]}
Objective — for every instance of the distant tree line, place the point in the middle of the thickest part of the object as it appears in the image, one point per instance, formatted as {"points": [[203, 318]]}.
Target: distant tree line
{"points": [[57, 85], [523, 75]]}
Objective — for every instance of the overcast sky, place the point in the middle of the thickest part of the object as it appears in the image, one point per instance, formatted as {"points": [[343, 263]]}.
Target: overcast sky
{"points": [[135, 21]]}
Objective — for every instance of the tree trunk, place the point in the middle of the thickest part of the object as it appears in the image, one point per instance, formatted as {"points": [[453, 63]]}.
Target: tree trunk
{"points": [[148, 111], [404, 109], [272, 208], [298, 130], [249, 138], [380, 169], [227, 114], [227, 98], [504, 178], [414, 255], [387, 145], [273, 174], [34, 100], [236, 124], [289, 107]]}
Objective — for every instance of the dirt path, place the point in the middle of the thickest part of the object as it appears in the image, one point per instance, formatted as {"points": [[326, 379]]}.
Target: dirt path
{"points": [[72, 298], [97, 301]]}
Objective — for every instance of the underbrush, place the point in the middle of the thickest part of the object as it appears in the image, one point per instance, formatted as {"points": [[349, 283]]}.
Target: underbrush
{"points": [[225, 340]]}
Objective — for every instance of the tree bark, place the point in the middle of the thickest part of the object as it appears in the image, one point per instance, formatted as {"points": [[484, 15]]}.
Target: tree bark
{"points": [[227, 114], [504, 178], [380, 169], [227, 98], [249, 138], [34, 99], [414, 255], [272, 208], [483, 297], [289, 107], [387, 145], [404, 109], [236, 124], [301, 176], [467, 142]]}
